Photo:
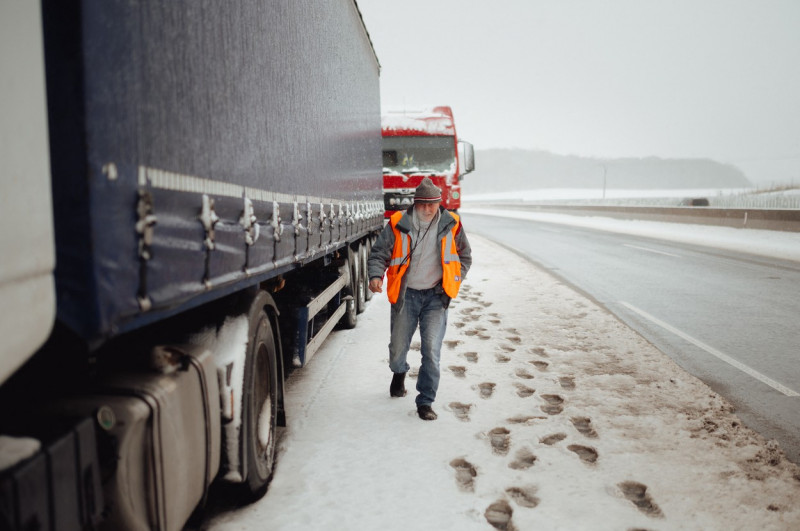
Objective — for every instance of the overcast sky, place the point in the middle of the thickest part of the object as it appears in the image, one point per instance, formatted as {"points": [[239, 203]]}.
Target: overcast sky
{"points": [[611, 78]]}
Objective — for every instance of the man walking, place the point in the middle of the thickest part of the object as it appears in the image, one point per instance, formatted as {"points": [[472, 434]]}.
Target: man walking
{"points": [[425, 255]]}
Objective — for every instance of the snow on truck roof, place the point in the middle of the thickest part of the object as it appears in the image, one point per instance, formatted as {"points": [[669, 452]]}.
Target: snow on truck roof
{"points": [[435, 121]]}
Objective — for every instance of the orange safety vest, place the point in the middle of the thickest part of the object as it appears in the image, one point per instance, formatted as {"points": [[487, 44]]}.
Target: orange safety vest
{"points": [[398, 264]]}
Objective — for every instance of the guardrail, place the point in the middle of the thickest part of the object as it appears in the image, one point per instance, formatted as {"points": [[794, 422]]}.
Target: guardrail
{"points": [[756, 201], [768, 219]]}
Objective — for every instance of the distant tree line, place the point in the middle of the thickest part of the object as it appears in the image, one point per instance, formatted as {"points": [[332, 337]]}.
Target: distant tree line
{"points": [[500, 170]]}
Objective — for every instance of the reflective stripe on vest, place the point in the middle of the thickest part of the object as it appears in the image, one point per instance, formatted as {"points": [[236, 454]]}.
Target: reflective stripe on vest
{"points": [[398, 263], [451, 262], [449, 251], [405, 242]]}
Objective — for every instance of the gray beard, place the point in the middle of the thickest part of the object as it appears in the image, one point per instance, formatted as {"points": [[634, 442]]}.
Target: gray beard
{"points": [[419, 224]]}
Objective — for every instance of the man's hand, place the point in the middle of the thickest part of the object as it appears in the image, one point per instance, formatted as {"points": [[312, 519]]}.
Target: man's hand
{"points": [[376, 285]]}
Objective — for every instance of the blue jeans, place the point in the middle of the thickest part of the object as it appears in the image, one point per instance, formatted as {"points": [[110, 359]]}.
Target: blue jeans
{"points": [[423, 308]]}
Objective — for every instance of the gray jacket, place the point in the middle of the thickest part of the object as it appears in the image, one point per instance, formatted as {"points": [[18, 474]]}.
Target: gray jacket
{"points": [[381, 253]]}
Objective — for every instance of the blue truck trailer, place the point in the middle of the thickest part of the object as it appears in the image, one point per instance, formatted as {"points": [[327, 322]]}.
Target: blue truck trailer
{"points": [[191, 189]]}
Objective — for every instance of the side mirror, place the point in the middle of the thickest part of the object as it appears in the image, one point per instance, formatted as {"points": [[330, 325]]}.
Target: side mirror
{"points": [[466, 158]]}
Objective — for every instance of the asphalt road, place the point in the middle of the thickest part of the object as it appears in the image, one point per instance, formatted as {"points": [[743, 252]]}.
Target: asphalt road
{"points": [[731, 319]]}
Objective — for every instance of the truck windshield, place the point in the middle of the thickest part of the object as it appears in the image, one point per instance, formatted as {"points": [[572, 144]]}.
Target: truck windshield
{"points": [[411, 154]]}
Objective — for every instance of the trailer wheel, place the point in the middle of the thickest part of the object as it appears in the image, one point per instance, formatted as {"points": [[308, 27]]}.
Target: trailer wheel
{"points": [[350, 317], [259, 405], [362, 282]]}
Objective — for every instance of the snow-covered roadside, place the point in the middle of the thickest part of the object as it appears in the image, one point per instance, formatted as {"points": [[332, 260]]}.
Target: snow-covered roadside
{"points": [[549, 194], [552, 414], [773, 243]]}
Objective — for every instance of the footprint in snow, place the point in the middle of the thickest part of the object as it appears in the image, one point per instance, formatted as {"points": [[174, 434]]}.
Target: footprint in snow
{"points": [[567, 382], [524, 459], [458, 371], [637, 494], [461, 411], [486, 389], [586, 453], [550, 440], [584, 426], [523, 391], [522, 373], [524, 496], [465, 474], [499, 515], [472, 357], [554, 404], [539, 364], [501, 440], [524, 419]]}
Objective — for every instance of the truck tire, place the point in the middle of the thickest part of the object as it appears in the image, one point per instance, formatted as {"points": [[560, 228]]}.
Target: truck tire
{"points": [[350, 317], [259, 403], [363, 282]]}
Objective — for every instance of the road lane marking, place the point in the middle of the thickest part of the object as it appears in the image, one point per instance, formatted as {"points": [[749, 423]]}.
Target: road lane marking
{"points": [[714, 352], [650, 250]]}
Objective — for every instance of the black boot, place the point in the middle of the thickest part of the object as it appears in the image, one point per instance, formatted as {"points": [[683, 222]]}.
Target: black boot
{"points": [[426, 413], [398, 387]]}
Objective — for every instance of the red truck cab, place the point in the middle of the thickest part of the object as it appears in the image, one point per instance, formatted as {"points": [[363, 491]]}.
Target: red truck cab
{"points": [[423, 144]]}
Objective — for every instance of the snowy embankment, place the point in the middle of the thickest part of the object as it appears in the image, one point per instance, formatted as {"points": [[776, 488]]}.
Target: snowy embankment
{"points": [[772, 243], [779, 197], [552, 415], [562, 194]]}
